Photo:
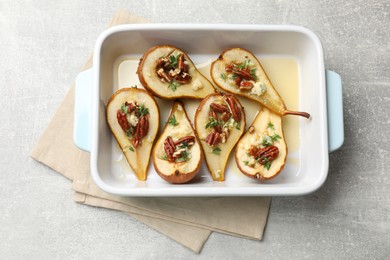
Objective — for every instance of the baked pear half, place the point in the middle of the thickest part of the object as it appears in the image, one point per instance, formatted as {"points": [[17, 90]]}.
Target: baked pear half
{"points": [[238, 71], [261, 153], [219, 122], [133, 117], [168, 72], [177, 155]]}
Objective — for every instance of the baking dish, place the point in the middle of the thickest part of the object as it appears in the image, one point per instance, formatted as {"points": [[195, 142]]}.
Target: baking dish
{"points": [[320, 94]]}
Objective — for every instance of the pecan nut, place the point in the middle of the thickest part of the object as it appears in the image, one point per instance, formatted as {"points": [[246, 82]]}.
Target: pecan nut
{"points": [[219, 108], [246, 85], [136, 139], [266, 154], [224, 135], [122, 120], [190, 140], [226, 116], [213, 114], [144, 126], [237, 81], [169, 148], [234, 108], [173, 67], [165, 77], [181, 64], [141, 130], [130, 107], [183, 78], [244, 73], [213, 138]]}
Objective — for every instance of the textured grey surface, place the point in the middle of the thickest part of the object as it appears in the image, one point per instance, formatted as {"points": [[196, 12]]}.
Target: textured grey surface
{"points": [[44, 43]]}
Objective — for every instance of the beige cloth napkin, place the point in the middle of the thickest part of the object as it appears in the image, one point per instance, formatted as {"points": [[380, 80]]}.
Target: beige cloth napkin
{"points": [[189, 221]]}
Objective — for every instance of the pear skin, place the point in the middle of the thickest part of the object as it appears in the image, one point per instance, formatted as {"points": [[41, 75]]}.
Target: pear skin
{"points": [[238, 71], [180, 169], [265, 132], [219, 136], [168, 72], [136, 150]]}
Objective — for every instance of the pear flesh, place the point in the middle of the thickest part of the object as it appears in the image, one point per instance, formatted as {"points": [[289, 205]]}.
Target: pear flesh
{"points": [[205, 124], [168, 72], [137, 153], [238, 71], [188, 154], [265, 132]]}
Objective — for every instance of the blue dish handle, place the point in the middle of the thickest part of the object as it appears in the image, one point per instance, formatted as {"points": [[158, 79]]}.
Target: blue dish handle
{"points": [[83, 98], [334, 95], [82, 110]]}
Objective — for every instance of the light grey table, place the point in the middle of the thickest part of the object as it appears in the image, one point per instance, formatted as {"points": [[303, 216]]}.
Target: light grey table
{"points": [[44, 43]]}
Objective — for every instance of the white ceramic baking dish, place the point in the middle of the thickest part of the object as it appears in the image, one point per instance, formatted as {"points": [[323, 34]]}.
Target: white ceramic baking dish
{"points": [[319, 94]]}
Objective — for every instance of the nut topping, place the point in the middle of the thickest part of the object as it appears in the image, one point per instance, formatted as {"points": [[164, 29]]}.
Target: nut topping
{"points": [[213, 114], [173, 68], [234, 108], [169, 148], [243, 74], [121, 116], [220, 114], [134, 121], [219, 108], [190, 140], [264, 155], [246, 85], [177, 151], [226, 116], [213, 138]]}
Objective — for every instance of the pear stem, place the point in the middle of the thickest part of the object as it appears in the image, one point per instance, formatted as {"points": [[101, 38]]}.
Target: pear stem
{"points": [[297, 113]]}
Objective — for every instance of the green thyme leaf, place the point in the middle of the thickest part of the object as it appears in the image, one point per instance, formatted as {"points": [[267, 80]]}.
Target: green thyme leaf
{"points": [[173, 85], [173, 61], [183, 145], [253, 73], [185, 156], [164, 157], [246, 64], [233, 76], [267, 140], [131, 149], [237, 126], [213, 123], [124, 108], [267, 163], [275, 137], [143, 111], [172, 121], [217, 150], [246, 163], [223, 76], [243, 65], [129, 132], [271, 126]]}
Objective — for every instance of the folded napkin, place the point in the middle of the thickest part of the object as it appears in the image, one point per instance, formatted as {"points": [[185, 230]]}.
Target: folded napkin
{"points": [[188, 221]]}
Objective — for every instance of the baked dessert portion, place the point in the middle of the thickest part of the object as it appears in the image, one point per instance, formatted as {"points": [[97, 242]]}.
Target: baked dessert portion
{"points": [[238, 71], [168, 72], [219, 123], [177, 155], [261, 153], [133, 117]]}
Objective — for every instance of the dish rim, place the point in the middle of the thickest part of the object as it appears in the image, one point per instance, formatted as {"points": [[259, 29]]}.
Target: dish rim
{"points": [[199, 191]]}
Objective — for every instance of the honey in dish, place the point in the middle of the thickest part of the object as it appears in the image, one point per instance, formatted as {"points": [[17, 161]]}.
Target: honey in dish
{"points": [[283, 73]]}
